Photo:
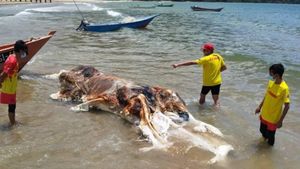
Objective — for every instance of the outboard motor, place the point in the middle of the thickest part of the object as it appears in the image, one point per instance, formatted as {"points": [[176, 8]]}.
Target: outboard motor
{"points": [[82, 25]]}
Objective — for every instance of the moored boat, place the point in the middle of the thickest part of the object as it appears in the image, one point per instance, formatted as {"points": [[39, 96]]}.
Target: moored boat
{"points": [[93, 27], [164, 5], [197, 8], [107, 27], [142, 7], [33, 44]]}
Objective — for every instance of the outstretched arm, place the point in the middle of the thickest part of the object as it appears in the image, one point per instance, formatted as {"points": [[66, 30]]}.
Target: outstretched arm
{"points": [[184, 64]]}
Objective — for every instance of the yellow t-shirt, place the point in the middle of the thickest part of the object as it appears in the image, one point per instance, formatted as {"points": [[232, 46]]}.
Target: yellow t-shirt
{"points": [[211, 69], [275, 97]]}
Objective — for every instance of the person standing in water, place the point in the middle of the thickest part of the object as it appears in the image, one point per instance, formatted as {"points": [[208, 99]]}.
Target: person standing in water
{"points": [[9, 78], [213, 64], [276, 96]]}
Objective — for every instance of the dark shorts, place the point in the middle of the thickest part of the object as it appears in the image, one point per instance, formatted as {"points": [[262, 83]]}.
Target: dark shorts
{"points": [[11, 108], [267, 134], [215, 90]]}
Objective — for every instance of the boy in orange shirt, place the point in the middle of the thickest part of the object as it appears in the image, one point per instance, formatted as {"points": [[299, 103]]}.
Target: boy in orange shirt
{"points": [[213, 64], [9, 78], [276, 96]]}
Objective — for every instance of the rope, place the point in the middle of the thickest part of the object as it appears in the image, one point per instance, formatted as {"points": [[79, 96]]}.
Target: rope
{"points": [[79, 10]]}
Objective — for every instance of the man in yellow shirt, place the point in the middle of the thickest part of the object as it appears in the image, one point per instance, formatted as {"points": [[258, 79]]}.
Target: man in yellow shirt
{"points": [[276, 96], [213, 64]]}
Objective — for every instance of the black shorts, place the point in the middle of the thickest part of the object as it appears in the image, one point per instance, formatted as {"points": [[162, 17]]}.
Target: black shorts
{"points": [[267, 134], [12, 108], [215, 90]]}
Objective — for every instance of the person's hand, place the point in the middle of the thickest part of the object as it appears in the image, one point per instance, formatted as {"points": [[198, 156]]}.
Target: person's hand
{"points": [[279, 124], [257, 110], [175, 65], [1, 81]]}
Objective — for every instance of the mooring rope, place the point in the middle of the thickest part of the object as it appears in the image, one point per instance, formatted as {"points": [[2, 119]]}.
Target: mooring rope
{"points": [[79, 10]]}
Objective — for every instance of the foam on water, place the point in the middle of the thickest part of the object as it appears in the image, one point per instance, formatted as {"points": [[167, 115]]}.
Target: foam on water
{"points": [[26, 77], [114, 13], [26, 12], [54, 76], [93, 6], [65, 8]]}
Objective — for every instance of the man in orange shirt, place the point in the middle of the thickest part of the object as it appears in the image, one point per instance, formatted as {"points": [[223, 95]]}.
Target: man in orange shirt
{"points": [[213, 64], [9, 78], [276, 96]]}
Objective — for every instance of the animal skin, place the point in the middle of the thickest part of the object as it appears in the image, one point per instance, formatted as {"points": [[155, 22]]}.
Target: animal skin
{"points": [[154, 110]]}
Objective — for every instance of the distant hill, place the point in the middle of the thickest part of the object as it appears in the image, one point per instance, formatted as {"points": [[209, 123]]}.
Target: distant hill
{"points": [[254, 1]]}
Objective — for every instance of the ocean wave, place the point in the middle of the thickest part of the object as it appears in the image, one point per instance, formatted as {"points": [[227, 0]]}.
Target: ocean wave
{"points": [[54, 76], [93, 6], [23, 13], [66, 8], [114, 13]]}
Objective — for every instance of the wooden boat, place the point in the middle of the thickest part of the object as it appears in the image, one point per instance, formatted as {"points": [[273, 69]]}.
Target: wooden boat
{"points": [[197, 8], [107, 27], [33, 44], [142, 7], [164, 5]]}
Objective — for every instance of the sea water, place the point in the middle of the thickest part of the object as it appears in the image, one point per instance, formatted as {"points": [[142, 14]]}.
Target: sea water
{"points": [[250, 37]]}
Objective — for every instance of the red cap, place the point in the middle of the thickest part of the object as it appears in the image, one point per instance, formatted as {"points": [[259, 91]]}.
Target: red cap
{"points": [[208, 46]]}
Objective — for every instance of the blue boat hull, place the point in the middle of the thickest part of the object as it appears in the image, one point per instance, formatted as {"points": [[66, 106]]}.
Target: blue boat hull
{"points": [[140, 23], [197, 8], [99, 27], [103, 28]]}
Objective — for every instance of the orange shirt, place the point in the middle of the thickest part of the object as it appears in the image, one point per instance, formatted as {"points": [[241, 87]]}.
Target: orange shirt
{"points": [[9, 85]]}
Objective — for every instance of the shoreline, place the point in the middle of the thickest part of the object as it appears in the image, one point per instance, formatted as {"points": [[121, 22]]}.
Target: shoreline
{"points": [[17, 2], [3, 2], [13, 3]]}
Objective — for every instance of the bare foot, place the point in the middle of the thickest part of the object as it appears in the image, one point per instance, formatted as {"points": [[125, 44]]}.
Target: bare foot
{"points": [[15, 124], [216, 106], [262, 139]]}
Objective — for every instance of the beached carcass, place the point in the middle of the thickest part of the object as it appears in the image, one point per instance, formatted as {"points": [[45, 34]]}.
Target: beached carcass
{"points": [[154, 110]]}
